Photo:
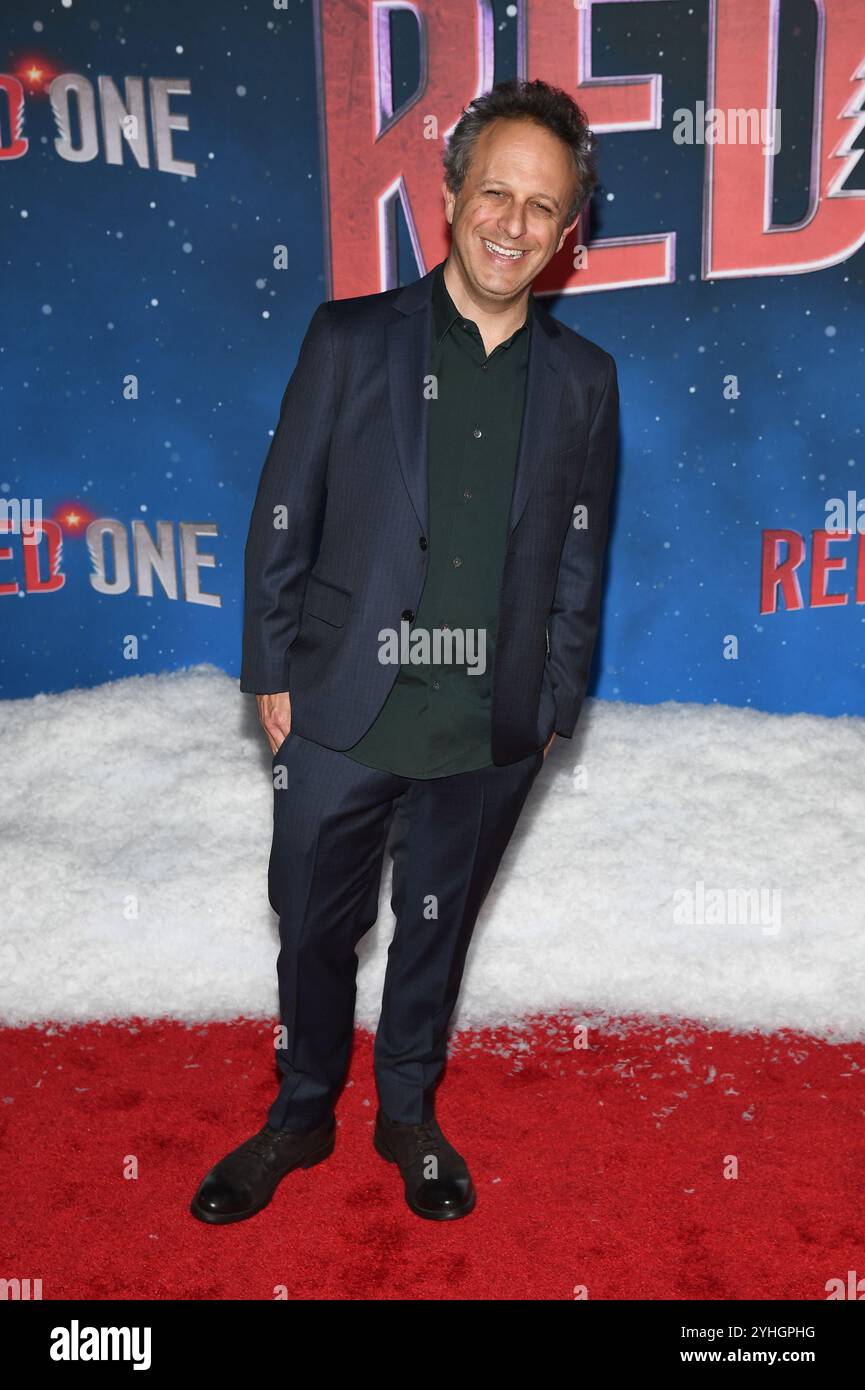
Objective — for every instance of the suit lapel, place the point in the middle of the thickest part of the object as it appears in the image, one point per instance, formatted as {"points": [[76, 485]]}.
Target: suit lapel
{"points": [[544, 383], [407, 365]]}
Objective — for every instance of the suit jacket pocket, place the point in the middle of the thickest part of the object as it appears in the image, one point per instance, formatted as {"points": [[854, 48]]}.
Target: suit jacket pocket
{"points": [[547, 712], [567, 441], [326, 601]]}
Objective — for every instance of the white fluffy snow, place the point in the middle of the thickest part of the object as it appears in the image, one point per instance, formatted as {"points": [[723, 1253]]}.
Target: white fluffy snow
{"points": [[135, 821]]}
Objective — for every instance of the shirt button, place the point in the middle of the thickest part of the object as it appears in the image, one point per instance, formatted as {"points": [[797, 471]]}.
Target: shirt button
{"points": [[456, 562], [435, 685], [476, 432], [467, 495]]}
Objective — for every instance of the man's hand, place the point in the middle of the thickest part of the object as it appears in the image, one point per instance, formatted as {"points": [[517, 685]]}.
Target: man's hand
{"points": [[274, 711], [549, 745]]}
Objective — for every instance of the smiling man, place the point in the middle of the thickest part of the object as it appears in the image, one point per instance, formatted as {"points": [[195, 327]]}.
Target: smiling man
{"points": [[441, 470]]}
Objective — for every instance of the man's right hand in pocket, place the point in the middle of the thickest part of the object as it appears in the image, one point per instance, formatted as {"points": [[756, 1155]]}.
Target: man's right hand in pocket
{"points": [[274, 711]]}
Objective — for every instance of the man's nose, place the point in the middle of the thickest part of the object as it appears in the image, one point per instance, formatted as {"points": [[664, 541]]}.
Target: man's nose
{"points": [[513, 224]]}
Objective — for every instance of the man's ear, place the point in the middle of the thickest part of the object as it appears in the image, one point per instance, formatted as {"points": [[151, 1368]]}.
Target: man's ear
{"points": [[566, 232], [448, 200]]}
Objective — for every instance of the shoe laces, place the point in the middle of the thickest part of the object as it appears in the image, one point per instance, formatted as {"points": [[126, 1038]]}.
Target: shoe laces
{"points": [[264, 1143], [426, 1138]]}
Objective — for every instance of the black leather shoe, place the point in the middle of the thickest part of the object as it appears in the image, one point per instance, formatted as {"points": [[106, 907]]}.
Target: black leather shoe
{"points": [[438, 1184], [245, 1180]]}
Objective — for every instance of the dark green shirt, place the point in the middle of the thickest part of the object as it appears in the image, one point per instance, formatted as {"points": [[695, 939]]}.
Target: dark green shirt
{"points": [[436, 718]]}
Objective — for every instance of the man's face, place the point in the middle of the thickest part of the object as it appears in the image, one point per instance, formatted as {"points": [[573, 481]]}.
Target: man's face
{"points": [[519, 185]]}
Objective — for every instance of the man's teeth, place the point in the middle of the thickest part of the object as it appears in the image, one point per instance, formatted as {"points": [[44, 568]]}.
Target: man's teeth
{"points": [[502, 250]]}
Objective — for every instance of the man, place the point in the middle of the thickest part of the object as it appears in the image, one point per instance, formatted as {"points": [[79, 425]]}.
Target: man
{"points": [[422, 592]]}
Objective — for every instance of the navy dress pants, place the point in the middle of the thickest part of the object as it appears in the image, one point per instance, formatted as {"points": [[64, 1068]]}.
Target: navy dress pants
{"points": [[330, 826]]}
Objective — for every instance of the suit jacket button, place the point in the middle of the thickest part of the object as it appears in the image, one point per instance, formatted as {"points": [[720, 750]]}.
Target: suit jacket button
{"points": [[423, 543], [408, 615]]}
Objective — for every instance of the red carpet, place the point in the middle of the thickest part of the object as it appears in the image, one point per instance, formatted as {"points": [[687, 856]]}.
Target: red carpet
{"points": [[601, 1168]]}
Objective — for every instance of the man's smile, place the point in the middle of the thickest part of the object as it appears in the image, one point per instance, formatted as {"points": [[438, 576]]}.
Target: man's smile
{"points": [[503, 253]]}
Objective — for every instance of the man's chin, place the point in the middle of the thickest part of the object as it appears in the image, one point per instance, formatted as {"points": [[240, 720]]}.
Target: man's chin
{"points": [[501, 281]]}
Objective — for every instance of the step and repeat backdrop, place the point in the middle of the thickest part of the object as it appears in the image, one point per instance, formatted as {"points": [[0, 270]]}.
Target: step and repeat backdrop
{"points": [[183, 183]]}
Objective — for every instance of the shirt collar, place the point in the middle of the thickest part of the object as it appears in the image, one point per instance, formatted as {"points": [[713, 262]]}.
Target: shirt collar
{"points": [[445, 312]]}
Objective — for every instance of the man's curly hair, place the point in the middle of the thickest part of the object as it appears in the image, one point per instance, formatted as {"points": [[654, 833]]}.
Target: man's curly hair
{"points": [[536, 101]]}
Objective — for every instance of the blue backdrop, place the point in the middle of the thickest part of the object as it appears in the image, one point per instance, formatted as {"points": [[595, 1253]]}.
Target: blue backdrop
{"points": [[120, 280]]}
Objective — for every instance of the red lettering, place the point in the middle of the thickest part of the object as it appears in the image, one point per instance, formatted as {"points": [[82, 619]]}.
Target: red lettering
{"points": [[739, 238], [775, 573], [821, 562], [33, 581], [14, 93]]}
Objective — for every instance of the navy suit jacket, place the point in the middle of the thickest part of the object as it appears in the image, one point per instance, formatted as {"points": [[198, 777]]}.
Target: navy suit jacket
{"points": [[334, 552]]}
